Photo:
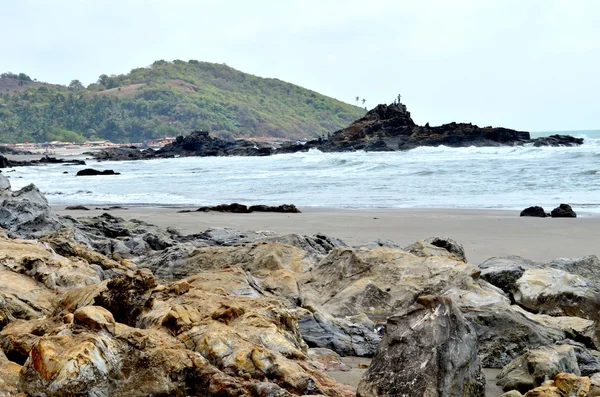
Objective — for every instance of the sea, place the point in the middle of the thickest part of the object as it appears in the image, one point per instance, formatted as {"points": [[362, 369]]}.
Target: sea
{"points": [[426, 177]]}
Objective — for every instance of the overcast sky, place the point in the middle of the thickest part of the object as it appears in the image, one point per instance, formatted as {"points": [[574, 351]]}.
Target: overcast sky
{"points": [[524, 64]]}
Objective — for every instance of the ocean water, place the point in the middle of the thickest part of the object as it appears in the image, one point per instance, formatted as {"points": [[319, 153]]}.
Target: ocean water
{"points": [[440, 177]]}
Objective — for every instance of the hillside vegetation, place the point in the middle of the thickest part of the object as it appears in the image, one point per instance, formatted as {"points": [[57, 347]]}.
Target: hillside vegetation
{"points": [[166, 99]]}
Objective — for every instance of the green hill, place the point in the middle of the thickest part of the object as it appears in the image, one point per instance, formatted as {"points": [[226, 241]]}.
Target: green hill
{"points": [[166, 99]]}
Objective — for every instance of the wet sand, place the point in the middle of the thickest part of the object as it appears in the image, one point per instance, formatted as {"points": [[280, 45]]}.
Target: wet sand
{"points": [[483, 233]]}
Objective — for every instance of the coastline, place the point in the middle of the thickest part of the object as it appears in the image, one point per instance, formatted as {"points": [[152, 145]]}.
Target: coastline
{"points": [[483, 233]]}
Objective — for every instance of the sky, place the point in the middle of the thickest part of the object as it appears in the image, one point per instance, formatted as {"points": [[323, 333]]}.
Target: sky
{"points": [[525, 64]]}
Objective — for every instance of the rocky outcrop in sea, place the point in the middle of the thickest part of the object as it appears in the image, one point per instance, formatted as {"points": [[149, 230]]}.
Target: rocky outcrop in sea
{"points": [[107, 306], [384, 128], [391, 128], [197, 143]]}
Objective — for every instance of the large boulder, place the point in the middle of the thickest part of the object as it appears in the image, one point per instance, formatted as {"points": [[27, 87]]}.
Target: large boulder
{"points": [[535, 212], [557, 293], [192, 337], [348, 336], [587, 267], [564, 384], [452, 246], [4, 184], [503, 272], [563, 211], [537, 366], [429, 350], [380, 281], [26, 213], [435, 246]]}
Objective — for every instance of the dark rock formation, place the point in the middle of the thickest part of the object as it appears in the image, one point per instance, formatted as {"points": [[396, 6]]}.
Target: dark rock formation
{"points": [[286, 208], [534, 211], [233, 207], [93, 172], [122, 153], [77, 208], [243, 209], [563, 211], [6, 163], [384, 128], [430, 350], [390, 128], [557, 140], [197, 143], [54, 160], [10, 150]]}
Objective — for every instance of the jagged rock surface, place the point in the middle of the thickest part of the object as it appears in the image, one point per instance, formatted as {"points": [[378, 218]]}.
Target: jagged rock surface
{"points": [[390, 128], [430, 350], [235, 312]]}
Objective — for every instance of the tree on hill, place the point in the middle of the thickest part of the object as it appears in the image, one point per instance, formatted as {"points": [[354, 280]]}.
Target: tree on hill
{"points": [[76, 85]]}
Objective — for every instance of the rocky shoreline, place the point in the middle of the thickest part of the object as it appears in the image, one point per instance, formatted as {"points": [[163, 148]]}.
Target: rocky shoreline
{"points": [[106, 306], [385, 128], [7, 163]]}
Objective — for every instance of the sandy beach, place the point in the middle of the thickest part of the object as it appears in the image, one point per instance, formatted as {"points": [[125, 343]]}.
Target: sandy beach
{"points": [[483, 233]]}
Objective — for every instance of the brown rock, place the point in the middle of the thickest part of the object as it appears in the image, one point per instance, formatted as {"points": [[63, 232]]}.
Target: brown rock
{"points": [[96, 318], [573, 385]]}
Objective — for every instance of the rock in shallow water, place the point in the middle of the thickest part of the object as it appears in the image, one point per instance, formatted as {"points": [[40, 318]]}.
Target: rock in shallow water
{"points": [[93, 172]]}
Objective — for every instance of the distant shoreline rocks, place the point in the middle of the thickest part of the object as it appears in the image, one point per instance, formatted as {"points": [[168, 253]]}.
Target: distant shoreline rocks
{"points": [[7, 163], [243, 209], [562, 211]]}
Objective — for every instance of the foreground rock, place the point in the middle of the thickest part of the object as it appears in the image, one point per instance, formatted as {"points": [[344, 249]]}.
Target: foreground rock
{"points": [[139, 310], [26, 213], [538, 366], [564, 287], [130, 336], [563, 385], [430, 350]]}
